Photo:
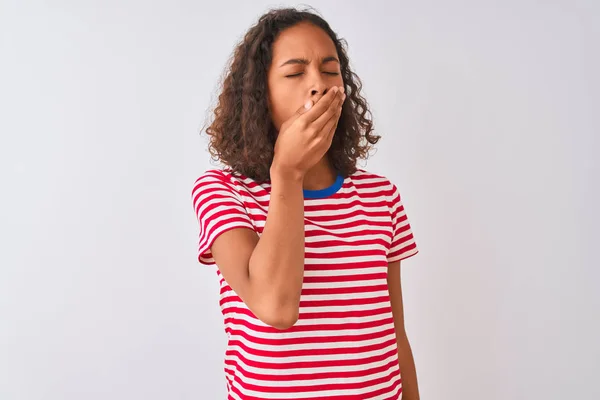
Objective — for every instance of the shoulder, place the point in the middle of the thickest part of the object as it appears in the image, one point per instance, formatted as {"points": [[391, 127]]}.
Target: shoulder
{"points": [[222, 178], [377, 187], [213, 185], [374, 181], [214, 175]]}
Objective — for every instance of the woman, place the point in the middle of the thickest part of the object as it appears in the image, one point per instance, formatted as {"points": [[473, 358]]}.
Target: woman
{"points": [[308, 246]]}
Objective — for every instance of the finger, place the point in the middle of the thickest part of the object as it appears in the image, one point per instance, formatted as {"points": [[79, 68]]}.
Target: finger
{"points": [[322, 105], [331, 111], [330, 126], [328, 130], [332, 129], [300, 111]]}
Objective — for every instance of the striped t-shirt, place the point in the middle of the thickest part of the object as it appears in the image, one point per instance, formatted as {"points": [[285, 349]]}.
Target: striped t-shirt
{"points": [[343, 345]]}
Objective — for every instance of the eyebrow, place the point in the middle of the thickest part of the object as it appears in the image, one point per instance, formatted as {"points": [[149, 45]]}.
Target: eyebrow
{"points": [[304, 61]]}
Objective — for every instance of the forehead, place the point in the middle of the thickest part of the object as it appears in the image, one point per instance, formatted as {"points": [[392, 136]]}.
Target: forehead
{"points": [[303, 39]]}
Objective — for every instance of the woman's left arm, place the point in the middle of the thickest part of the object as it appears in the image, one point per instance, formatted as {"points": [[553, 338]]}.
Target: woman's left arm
{"points": [[410, 388]]}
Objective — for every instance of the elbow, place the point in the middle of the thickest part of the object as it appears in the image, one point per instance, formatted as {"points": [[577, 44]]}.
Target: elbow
{"points": [[281, 318], [283, 321]]}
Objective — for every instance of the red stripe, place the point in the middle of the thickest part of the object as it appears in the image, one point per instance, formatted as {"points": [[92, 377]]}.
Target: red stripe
{"points": [[315, 388], [316, 303], [345, 266], [302, 328], [334, 243], [345, 278], [284, 365], [403, 250], [309, 375], [345, 314], [343, 290], [342, 254], [344, 302], [288, 341]]}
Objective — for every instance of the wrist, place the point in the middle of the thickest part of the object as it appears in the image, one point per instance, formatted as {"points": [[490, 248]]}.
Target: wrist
{"points": [[282, 173]]}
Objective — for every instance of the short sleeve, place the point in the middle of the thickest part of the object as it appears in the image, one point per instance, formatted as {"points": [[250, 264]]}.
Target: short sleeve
{"points": [[219, 208], [403, 243]]}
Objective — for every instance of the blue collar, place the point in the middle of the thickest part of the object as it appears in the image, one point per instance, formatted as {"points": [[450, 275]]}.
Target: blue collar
{"points": [[328, 191]]}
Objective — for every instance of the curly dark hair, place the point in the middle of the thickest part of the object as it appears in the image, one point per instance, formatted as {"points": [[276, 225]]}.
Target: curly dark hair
{"points": [[242, 119]]}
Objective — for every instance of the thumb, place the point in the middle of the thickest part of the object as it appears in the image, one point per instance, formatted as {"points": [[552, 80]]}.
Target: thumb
{"points": [[307, 106], [302, 110]]}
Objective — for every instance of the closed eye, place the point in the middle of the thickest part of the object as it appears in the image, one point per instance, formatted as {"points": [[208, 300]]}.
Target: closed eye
{"points": [[301, 73]]}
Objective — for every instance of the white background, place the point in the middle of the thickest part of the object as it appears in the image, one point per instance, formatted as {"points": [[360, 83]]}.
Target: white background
{"points": [[488, 112]]}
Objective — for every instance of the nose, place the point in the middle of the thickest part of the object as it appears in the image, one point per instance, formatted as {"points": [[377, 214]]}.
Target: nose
{"points": [[318, 87], [315, 92]]}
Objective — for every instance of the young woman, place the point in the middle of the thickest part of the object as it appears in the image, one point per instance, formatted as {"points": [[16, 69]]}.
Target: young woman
{"points": [[308, 246]]}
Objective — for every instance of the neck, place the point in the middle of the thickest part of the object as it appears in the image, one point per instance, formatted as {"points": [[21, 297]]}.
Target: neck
{"points": [[320, 176]]}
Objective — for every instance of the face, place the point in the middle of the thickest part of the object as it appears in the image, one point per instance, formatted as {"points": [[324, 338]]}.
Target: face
{"points": [[304, 66]]}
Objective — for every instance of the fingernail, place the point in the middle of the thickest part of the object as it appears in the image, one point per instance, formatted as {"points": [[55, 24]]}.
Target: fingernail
{"points": [[308, 105], [342, 89]]}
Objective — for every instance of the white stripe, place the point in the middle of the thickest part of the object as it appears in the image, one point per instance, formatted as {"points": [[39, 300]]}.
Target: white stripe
{"points": [[315, 382], [312, 359], [314, 346], [315, 370], [402, 245], [385, 396], [345, 284], [340, 260], [365, 307], [291, 395], [325, 297], [345, 272], [344, 248], [311, 334]]}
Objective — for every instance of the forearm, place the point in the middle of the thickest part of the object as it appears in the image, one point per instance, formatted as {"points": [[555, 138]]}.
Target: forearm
{"points": [[276, 267], [410, 388]]}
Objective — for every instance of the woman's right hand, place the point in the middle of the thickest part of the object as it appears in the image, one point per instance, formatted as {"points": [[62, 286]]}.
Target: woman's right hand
{"points": [[305, 138]]}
